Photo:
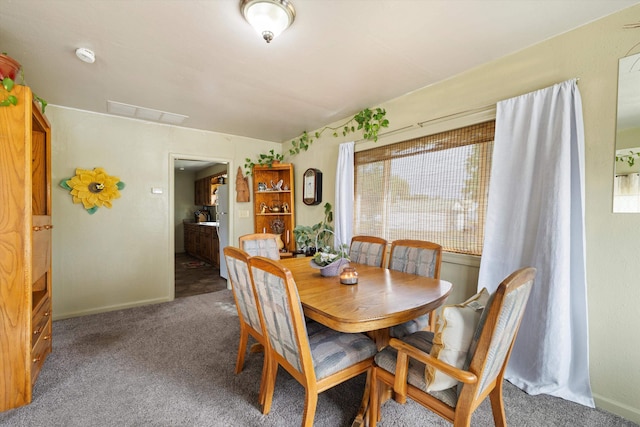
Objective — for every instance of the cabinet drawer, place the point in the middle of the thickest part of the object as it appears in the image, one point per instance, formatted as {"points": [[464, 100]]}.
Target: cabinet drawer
{"points": [[39, 320], [41, 349]]}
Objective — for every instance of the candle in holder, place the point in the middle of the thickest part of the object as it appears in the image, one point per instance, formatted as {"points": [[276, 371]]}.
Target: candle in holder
{"points": [[349, 276]]}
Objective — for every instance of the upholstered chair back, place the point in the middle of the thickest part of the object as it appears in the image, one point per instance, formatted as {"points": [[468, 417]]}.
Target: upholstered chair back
{"points": [[509, 310], [368, 250], [260, 244], [423, 259], [416, 257], [238, 269], [280, 309]]}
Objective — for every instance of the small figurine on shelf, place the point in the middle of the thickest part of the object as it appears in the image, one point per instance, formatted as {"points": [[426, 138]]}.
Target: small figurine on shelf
{"points": [[263, 208], [285, 207], [276, 186]]}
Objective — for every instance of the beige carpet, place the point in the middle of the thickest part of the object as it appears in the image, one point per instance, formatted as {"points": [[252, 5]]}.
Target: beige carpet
{"points": [[172, 364]]}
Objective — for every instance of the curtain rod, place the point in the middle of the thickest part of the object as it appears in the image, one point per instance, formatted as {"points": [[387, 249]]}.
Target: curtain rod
{"points": [[484, 108], [476, 110]]}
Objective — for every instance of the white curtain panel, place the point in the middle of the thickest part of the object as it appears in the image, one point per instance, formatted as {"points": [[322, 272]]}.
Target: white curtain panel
{"points": [[535, 217], [343, 209]]}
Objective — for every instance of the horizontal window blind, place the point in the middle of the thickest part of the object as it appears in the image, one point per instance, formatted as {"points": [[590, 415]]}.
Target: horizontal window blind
{"points": [[429, 188]]}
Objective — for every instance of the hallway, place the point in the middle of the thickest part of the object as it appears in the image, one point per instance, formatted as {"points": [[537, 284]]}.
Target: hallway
{"points": [[194, 277]]}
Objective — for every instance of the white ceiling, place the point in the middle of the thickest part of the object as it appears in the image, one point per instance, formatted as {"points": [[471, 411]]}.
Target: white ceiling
{"points": [[201, 58]]}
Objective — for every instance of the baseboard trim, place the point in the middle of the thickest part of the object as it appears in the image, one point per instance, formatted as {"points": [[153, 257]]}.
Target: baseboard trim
{"points": [[615, 407], [104, 309]]}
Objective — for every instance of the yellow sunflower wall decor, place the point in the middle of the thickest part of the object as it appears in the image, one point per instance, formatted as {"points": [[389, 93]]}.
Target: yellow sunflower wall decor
{"points": [[93, 188]]}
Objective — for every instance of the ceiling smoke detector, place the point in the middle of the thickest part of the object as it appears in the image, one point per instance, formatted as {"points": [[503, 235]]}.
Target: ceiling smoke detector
{"points": [[86, 55]]}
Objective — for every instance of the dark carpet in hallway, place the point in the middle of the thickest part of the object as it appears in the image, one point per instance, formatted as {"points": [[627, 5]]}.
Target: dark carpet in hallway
{"points": [[194, 277]]}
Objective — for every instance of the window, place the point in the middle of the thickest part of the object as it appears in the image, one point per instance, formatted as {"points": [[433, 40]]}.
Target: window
{"points": [[626, 193], [429, 188]]}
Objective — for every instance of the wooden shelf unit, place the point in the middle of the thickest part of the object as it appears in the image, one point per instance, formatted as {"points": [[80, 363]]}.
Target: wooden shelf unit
{"points": [[25, 247], [262, 221]]}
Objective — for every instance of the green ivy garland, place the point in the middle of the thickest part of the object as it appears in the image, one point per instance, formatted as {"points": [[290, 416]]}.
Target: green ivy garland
{"points": [[367, 120], [629, 158]]}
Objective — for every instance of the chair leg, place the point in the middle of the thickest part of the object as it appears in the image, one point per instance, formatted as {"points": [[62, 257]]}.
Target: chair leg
{"points": [[497, 406], [310, 403], [432, 321], [462, 417], [363, 411], [374, 402], [264, 378], [272, 372], [242, 349]]}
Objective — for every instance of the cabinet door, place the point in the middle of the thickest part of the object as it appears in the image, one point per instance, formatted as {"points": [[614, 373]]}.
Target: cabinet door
{"points": [[198, 192], [205, 249], [215, 243], [190, 238]]}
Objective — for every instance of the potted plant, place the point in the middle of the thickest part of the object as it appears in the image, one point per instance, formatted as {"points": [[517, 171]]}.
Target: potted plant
{"points": [[268, 159], [309, 237], [9, 69], [330, 261]]}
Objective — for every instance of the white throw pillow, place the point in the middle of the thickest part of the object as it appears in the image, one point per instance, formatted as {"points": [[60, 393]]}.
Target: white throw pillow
{"points": [[454, 332]]}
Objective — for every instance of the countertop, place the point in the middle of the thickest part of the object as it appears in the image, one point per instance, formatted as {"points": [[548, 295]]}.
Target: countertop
{"points": [[205, 223]]}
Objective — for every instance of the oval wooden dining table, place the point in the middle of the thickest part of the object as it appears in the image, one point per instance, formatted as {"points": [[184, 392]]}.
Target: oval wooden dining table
{"points": [[382, 298]]}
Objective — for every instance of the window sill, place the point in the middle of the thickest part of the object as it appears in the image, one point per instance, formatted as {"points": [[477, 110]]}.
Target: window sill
{"points": [[461, 259]]}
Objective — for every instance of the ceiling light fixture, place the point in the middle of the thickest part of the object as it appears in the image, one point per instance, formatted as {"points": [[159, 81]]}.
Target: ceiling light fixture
{"points": [[86, 55], [268, 17]]}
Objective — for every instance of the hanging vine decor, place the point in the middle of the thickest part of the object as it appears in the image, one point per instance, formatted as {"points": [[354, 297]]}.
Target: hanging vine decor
{"points": [[367, 120], [629, 158], [93, 188]]}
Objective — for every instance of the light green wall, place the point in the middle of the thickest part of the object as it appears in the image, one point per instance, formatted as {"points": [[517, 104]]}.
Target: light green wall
{"points": [[590, 53], [123, 257]]}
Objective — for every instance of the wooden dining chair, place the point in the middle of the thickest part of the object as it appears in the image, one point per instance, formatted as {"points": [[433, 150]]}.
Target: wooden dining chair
{"points": [[246, 303], [260, 244], [318, 361], [415, 257], [369, 250], [406, 364]]}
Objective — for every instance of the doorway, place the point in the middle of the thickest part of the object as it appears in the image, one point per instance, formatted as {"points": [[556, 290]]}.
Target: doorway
{"points": [[193, 274]]}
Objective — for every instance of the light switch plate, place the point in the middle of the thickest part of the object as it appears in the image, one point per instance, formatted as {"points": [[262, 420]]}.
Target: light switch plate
{"points": [[243, 214]]}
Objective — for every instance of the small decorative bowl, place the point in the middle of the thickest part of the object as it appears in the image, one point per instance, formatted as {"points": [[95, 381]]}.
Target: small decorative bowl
{"points": [[332, 269]]}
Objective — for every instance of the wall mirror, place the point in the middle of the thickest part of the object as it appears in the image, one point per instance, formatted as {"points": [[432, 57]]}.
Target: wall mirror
{"points": [[626, 192]]}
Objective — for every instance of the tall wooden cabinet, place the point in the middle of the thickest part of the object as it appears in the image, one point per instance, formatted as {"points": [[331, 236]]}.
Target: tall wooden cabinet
{"points": [[25, 247], [274, 202]]}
